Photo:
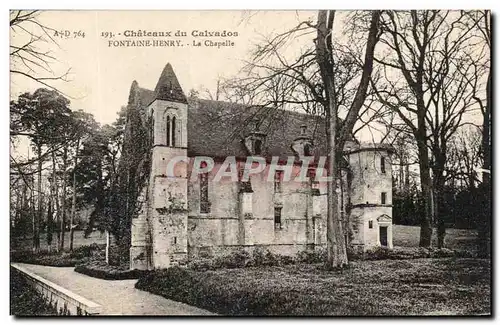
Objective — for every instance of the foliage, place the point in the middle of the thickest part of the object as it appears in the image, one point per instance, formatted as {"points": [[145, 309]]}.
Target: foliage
{"points": [[240, 259], [263, 257], [102, 270], [122, 202], [78, 256], [404, 253], [26, 301], [412, 287]]}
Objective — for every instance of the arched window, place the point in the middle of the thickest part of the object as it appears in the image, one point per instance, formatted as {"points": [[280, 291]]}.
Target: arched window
{"points": [[168, 131], [173, 131]]}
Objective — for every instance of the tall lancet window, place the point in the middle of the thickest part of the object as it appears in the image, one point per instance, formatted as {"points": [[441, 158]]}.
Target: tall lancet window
{"points": [[204, 202], [173, 131], [168, 131]]}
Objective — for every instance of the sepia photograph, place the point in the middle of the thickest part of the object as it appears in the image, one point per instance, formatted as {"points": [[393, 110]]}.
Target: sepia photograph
{"points": [[250, 163]]}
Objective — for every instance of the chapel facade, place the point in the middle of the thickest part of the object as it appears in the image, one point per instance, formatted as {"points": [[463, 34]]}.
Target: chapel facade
{"points": [[183, 216]]}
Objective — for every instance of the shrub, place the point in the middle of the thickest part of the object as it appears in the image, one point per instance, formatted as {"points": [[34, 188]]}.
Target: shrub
{"points": [[405, 253], [26, 301], [79, 255], [240, 259], [101, 270], [312, 257]]}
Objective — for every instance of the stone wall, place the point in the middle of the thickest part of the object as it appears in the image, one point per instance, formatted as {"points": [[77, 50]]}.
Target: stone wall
{"points": [[244, 219], [65, 301], [368, 183]]}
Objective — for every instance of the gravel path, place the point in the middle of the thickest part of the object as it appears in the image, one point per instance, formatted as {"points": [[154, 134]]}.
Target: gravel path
{"points": [[117, 297]]}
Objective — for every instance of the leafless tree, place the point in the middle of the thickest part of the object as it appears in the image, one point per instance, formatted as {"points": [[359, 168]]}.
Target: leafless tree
{"points": [[337, 256], [27, 57], [327, 79], [423, 60]]}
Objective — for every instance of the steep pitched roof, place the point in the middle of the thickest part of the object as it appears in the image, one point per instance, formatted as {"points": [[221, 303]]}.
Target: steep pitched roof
{"points": [[217, 129], [168, 87]]}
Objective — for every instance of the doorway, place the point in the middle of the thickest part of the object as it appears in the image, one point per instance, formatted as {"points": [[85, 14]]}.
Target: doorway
{"points": [[383, 236]]}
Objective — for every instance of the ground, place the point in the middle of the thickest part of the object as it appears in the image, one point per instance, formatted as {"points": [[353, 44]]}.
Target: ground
{"points": [[430, 286], [407, 236], [78, 240], [444, 286], [116, 297]]}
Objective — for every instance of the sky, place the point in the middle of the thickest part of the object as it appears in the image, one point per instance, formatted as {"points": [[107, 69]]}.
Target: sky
{"points": [[100, 76]]}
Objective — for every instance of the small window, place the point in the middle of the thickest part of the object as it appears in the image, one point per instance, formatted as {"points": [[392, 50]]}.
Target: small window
{"points": [[383, 197], [370, 224], [278, 176], [258, 147], [277, 218], [307, 150], [382, 164]]}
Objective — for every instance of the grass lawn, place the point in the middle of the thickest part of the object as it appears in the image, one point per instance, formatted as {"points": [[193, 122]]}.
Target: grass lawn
{"points": [[409, 236], [23, 244], [445, 286]]}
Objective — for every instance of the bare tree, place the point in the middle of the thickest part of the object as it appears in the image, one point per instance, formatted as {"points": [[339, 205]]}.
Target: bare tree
{"points": [[423, 66], [326, 79], [464, 158], [482, 22], [27, 57]]}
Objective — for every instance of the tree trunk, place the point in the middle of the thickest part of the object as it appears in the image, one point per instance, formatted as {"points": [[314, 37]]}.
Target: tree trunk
{"points": [[484, 224], [63, 203], [38, 218], [73, 203], [336, 249], [56, 201], [438, 205], [426, 187]]}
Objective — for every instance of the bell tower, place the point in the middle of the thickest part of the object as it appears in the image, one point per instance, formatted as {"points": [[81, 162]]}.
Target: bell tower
{"points": [[167, 193]]}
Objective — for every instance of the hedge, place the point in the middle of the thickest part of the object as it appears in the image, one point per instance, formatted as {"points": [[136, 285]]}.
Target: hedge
{"points": [[263, 257], [80, 255], [101, 270]]}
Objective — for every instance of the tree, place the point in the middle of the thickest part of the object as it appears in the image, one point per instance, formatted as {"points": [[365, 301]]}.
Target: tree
{"points": [[43, 118], [50, 223], [84, 124], [28, 59], [482, 21], [326, 79], [337, 254], [424, 59], [95, 171]]}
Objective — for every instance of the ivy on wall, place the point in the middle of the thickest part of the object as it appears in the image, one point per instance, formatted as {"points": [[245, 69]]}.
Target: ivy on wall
{"points": [[132, 176]]}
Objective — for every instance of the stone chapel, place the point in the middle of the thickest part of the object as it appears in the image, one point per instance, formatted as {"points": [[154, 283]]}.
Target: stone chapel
{"points": [[182, 217]]}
